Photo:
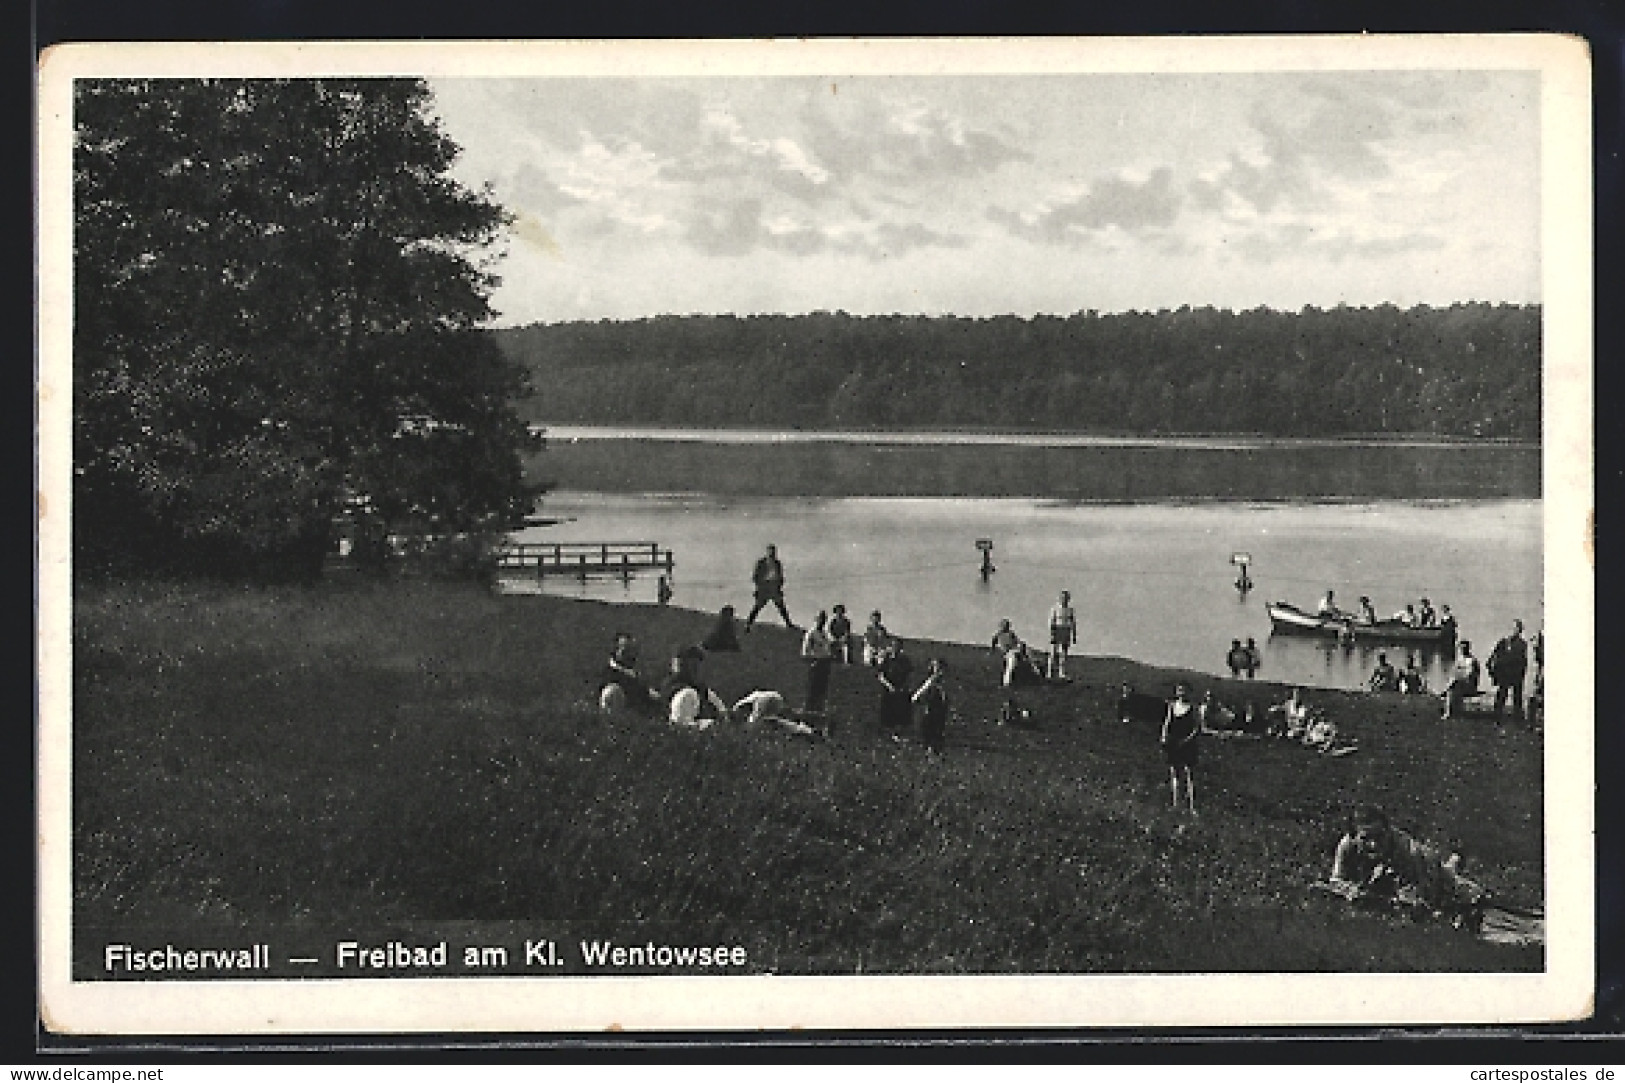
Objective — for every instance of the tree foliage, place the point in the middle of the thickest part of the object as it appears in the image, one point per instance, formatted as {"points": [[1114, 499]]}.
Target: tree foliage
{"points": [[269, 275], [1467, 370]]}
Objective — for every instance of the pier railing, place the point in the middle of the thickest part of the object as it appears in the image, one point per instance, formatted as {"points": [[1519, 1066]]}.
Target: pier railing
{"points": [[583, 558]]}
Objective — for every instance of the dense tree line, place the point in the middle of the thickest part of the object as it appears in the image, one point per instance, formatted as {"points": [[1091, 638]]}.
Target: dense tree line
{"points": [[278, 304], [1467, 370]]}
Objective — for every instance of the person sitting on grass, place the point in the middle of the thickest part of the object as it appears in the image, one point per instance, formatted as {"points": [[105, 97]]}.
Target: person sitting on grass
{"points": [[693, 703], [1376, 864], [1411, 682], [1005, 640], [1384, 678], [723, 636], [1180, 729], [1291, 718], [1021, 670], [620, 688]]}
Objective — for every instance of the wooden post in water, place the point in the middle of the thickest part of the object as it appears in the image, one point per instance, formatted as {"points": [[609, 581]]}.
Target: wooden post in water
{"points": [[583, 565]]}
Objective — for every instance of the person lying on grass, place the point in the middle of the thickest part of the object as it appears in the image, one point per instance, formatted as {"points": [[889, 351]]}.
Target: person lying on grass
{"points": [[1308, 726], [765, 709], [1220, 721], [693, 704], [1377, 864], [619, 686]]}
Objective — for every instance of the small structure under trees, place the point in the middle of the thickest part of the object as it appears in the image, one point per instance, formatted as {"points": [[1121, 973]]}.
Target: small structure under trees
{"points": [[269, 275]]}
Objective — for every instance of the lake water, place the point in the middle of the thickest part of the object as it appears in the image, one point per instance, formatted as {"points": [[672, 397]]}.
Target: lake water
{"points": [[1140, 532]]}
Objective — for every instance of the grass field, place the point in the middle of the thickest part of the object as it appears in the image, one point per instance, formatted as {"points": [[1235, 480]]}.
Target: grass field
{"points": [[361, 753]]}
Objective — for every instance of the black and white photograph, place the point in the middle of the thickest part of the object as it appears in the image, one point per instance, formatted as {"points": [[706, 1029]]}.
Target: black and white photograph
{"points": [[554, 536]]}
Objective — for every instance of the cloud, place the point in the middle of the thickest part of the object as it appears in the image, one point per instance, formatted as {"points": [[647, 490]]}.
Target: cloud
{"points": [[1341, 136], [737, 227], [903, 140], [724, 151], [1125, 202], [537, 192]]}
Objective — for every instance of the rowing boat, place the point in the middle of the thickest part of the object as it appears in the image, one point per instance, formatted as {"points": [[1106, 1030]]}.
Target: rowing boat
{"points": [[1289, 619]]}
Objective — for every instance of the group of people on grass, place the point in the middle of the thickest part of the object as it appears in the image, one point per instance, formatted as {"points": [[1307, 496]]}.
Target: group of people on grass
{"points": [[688, 701], [1374, 864], [1507, 669]]}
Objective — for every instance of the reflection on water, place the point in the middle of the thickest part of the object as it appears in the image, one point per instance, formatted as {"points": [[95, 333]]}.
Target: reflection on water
{"points": [[1151, 582], [1094, 472]]}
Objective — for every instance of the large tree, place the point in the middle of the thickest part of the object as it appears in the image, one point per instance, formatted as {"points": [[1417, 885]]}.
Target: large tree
{"points": [[279, 295]]}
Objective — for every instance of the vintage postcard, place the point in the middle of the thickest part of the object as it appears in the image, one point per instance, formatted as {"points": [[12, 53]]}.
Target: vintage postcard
{"points": [[565, 536]]}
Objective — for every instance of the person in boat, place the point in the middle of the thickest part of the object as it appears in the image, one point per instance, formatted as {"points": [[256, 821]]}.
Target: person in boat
{"points": [[932, 700], [724, 635], [1425, 616], [1447, 622], [1255, 658], [1384, 677], [1411, 681], [1406, 616], [1328, 606], [767, 583], [693, 703], [1181, 726], [1378, 864], [875, 640], [1063, 632], [1464, 678], [840, 634], [818, 651], [1508, 665], [1368, 615], [620, 688], [1238, 658]]}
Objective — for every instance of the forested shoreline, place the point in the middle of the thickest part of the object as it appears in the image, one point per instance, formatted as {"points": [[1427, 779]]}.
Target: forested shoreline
{"points": [[1470, 370]]}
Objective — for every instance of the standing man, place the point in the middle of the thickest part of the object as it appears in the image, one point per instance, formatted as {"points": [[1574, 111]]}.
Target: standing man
{"points": [[768, 579], [1063, 632], [1508, 665], [818, 651]]}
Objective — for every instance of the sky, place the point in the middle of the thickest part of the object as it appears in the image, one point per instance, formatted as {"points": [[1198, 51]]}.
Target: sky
{"points": [[981, 195]]}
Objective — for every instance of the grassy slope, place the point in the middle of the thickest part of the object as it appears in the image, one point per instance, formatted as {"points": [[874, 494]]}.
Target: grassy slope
{"points": [[417, 751]]}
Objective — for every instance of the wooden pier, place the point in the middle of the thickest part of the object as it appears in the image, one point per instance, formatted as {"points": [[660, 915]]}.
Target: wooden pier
{"points": [[583, 559]]}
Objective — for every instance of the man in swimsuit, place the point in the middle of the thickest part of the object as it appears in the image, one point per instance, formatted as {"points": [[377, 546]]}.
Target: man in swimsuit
{"points": [[767, 579], [1063, 632]]}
